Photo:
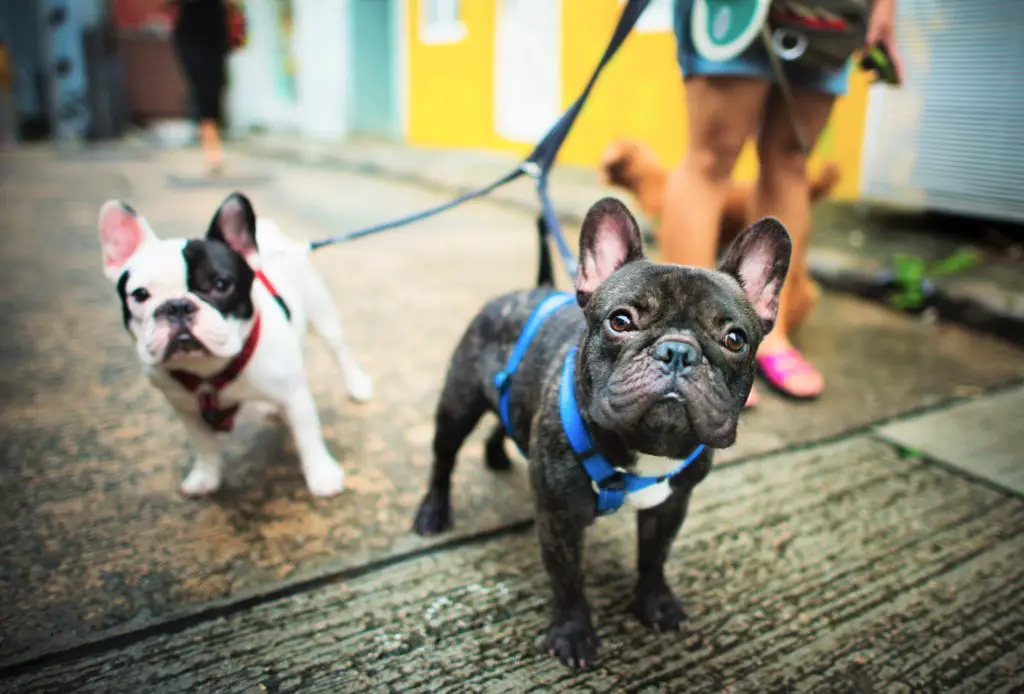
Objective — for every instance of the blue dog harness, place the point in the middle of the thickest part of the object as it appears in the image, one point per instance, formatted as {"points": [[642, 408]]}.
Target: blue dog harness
{"points": [[611, 484], [503, 379]]}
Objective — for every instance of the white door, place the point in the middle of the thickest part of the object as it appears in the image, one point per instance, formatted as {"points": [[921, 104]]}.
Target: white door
{"points": [[527, 68], [262, 88]]}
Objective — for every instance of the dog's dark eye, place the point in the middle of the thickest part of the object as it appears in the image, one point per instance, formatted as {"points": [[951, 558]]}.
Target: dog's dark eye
{"points": [[140, 295], [222, 285], [735, 341], [621, 322]]}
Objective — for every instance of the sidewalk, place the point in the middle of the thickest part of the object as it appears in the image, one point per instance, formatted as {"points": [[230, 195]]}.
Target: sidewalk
{"points": [[853, 249]]}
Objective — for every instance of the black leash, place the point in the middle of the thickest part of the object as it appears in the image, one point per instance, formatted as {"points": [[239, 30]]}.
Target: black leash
{"points": [[537, 166]]}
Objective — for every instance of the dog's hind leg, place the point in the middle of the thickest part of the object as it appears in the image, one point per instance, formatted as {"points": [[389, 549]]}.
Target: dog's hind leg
{"points": [[323, 314], [545, 272], [461, 406], [495, 455]]}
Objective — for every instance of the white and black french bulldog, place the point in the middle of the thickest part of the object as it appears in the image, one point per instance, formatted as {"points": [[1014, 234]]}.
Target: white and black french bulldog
{"points": [[618, 400], [219, 321]]}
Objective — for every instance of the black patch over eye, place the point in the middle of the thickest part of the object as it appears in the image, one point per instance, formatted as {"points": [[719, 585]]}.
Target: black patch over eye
{"points": [[735, 341], [621, 322], [141, 295], [221, 276]]}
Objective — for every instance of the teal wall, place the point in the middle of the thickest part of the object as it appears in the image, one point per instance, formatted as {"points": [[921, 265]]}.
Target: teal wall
{"points": [[372, 106]]}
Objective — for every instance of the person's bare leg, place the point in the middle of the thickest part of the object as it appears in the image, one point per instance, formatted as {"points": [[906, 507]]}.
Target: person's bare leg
{"points": [[805, 297], [213, 150], [783, 191], [722, 112]]}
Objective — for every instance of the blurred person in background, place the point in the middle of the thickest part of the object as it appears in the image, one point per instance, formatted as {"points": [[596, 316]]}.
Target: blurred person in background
{"points": [[728, 102], [204, 34]]}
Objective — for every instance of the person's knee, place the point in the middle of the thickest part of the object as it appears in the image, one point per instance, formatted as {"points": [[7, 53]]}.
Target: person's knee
{"points": [[781, 156], [714, 153], [780, 150]]}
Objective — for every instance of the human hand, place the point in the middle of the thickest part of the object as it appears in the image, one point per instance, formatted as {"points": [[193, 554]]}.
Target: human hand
{"points": [[882, 29]]}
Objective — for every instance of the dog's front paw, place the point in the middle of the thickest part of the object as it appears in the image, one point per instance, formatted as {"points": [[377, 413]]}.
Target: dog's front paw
{"points": [[324, 477], [434, 516], [659, 610], [201, 481], [573, 641], [359, 386]]}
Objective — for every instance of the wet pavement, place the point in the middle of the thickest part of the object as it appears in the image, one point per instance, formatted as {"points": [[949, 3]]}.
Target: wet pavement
{"points": [[817, 556]]}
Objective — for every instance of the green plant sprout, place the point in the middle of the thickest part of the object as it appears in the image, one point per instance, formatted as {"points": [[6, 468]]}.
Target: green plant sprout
{"points": [[912, 274]]}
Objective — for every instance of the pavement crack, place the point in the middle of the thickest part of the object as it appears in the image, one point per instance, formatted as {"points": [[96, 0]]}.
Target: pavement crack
{"points": [[119, 638]]}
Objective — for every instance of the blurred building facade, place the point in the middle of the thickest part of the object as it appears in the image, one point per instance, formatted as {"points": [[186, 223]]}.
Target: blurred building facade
{"points": [[494, 74], [479, 74], [293, 75], [950, 139]]}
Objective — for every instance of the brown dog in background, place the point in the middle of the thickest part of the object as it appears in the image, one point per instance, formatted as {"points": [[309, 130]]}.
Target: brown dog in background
{"points": [[632, 165]]}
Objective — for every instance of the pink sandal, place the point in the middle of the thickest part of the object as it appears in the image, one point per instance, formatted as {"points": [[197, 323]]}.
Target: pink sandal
{"points": [[778, 368]]}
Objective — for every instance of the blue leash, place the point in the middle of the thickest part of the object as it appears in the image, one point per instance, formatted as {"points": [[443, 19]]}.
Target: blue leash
{"points": [[418, 216], [611, 484], [537, 165]]}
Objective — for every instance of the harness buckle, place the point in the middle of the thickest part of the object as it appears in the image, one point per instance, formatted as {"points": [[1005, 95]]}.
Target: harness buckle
{"points": [[613, 483], [609, 500], [610, 492]]}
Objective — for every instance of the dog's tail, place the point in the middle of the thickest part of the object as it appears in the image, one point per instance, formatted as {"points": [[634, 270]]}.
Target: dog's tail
{"points": [[825, 181]]}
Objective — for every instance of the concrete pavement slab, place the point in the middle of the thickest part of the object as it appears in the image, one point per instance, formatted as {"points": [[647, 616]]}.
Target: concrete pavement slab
{"points": [[983, 437], [94, 538], [841, 568]]}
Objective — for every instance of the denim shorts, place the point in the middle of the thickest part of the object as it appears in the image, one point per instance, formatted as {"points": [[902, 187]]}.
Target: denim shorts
{"points": [[753, 62]]}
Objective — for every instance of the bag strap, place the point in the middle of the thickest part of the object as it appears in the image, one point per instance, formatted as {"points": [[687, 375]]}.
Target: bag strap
{"points": [[786, 89]]}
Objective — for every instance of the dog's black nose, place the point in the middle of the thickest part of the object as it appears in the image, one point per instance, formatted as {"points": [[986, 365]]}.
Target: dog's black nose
{"points": [[676, 356], [177, 309]]}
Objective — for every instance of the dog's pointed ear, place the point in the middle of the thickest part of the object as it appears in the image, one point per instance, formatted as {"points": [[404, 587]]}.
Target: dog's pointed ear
{"points": [[609, 239], [759, 260], [234, 224], [122, 233]]}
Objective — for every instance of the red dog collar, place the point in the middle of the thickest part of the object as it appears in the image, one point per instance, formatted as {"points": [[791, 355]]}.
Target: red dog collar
{"points": [[206, 388]]}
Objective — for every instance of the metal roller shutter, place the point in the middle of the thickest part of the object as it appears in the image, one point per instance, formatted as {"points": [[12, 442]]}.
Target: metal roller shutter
{"points": [[952, 138]]}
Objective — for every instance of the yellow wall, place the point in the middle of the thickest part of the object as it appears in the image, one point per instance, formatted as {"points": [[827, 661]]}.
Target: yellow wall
{"points": [[451, 86], [640, 94]]}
